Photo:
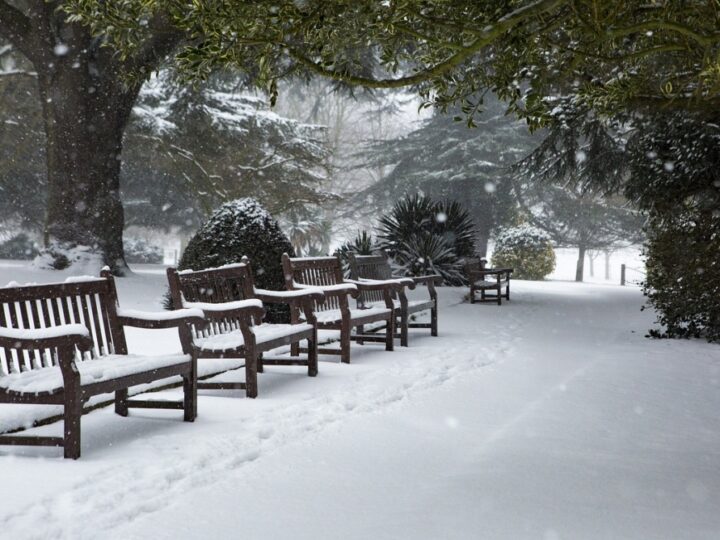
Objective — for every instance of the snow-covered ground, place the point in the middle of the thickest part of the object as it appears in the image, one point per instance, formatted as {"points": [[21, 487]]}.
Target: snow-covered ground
{"points": [[549, 417]]}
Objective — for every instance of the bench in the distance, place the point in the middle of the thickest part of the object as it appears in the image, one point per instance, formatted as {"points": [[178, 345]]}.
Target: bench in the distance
{"points": [[377, 267], [235, 333], [335, 313], [489, 281], [63, 343]]}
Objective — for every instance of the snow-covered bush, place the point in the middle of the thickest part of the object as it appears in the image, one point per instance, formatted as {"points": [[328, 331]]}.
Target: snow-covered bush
{"points": [[525, 248], [426, 236], [19, 247], [242, 228], [138, 250]]}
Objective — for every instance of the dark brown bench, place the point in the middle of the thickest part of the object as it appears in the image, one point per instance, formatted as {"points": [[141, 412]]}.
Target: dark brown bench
{"points": [[63, 343], [487, 280], [234, 309], [377, 268], [326, 274]]}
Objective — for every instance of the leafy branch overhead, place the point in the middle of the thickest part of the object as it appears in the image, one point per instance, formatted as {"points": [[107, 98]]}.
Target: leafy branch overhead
{"points": [[610, 54]]}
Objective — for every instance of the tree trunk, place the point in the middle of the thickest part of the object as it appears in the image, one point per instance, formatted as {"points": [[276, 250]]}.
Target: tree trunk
{"points": [[580, 268], [86, 106], [84, 144], [607, 264]]}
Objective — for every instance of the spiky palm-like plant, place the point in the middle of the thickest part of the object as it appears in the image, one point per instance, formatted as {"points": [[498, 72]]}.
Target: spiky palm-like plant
{"points": [[438, 233], [362, 244]]}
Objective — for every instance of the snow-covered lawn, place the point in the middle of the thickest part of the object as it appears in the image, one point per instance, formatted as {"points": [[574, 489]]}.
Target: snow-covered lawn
{"points": [[549, 417]]}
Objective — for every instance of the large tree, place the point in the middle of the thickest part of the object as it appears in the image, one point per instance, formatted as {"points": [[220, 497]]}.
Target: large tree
{"points": [[445, 160], [86, 98], [611, 53]]}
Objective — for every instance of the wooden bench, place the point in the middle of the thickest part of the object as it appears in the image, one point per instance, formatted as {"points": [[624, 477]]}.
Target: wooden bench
{"points": [[487, 279], [377, 267], [326, 274], [234, 308], [61, 344]]}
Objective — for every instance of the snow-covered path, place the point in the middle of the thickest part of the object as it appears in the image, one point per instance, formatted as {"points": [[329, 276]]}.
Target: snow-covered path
{"points": [[549, 417]]}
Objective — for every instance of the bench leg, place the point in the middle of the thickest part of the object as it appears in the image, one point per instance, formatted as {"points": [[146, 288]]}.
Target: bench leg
{"points": [[507, 291], [121, 397], [434, 320], [404, 329], [472, 295], [251, 389], [312, 355], [360, 331], [345, 343], [390, 333], [499, 296], [73, 413], [260, 366], [295, 348], [190, 394]]}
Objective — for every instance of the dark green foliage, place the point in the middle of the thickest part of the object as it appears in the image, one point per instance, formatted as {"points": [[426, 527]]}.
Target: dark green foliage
{"points": [[525, 249], [362, 244], [675, 178], [422, 254], [242, 228], [443, 159], [18, 247], [683, 277], [426, 236]]}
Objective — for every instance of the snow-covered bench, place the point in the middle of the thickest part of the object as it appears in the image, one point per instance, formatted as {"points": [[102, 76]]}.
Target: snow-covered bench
{"points": [[234, 308], [487, 279], [64, 343], [336, 314], [373, 268]]}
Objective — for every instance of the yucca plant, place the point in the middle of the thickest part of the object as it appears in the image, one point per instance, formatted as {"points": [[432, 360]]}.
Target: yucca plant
{"points": [[362, 244], [437, 233], [424, 254]]}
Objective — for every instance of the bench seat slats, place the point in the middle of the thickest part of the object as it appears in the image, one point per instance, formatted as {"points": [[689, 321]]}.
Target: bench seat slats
{"points": [[264, 333], [49, 379]]}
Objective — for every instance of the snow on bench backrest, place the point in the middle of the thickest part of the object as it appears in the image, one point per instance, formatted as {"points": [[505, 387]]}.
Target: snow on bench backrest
{"points": [[85, 301], [228, 283], [317, 272], [375, 267]]}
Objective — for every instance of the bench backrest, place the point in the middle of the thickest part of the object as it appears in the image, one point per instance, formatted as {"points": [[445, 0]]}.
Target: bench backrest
{"points": [[473, 264], [215, 286], [370, 267], [91, 302], [315, 271]]}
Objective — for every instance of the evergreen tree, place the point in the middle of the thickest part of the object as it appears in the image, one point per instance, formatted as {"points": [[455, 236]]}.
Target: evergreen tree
{"points": [[443, 159]]}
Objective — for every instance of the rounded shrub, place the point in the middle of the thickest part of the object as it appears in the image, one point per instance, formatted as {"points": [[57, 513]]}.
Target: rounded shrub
{"points": [[242, 228], [526, 249]]}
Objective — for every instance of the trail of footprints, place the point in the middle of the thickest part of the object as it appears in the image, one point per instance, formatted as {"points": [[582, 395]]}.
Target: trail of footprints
{"points": [[119, 494]]}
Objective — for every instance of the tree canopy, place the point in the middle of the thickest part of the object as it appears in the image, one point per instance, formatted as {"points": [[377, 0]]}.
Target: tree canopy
{"points": [[611, 54]]}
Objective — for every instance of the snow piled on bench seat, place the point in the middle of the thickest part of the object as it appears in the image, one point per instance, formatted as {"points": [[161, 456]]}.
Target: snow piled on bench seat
{"points": [[263, 334], [110, 367]]}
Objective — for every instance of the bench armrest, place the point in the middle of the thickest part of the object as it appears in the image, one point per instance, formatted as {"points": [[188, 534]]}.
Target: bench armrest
{"points": [[160, 319], [46, 338], [223, 310], [340, 289], [289, 297], [377, 285], [435, 279]]}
